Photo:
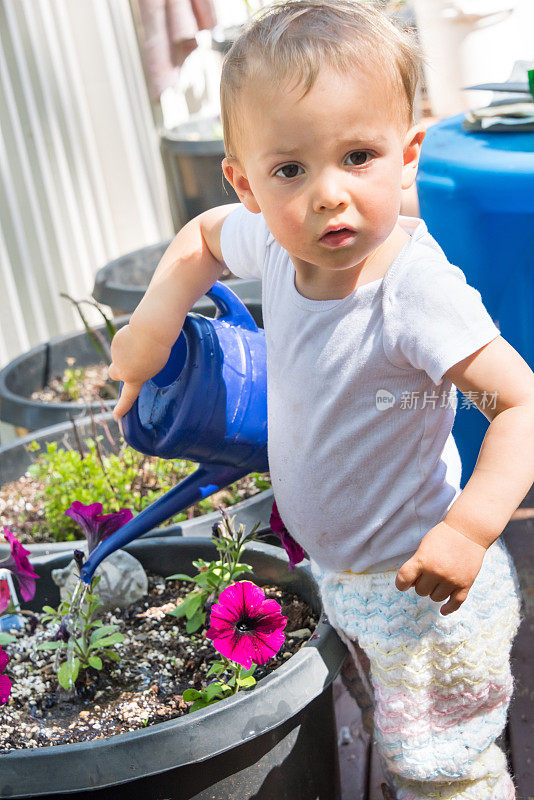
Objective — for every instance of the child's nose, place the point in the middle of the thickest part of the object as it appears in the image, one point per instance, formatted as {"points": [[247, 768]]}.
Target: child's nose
{"points": [[330, 191]]}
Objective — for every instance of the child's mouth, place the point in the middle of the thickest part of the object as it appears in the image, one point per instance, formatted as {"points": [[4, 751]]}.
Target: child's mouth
{"points": [[338, 238]]}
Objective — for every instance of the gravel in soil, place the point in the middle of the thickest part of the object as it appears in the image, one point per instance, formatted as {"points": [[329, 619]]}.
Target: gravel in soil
{"points": [[159, 660], [92, 387], [22, 511]]}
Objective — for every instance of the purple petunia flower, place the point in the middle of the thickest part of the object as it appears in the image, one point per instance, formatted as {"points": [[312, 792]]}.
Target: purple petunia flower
{"points": [[292, 548], [97, 526], [62, 633], [5, 683], [244, 626], [17, 563]]}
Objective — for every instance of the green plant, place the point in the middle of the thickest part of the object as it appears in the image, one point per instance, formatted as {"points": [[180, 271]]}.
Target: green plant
{"points": [[247, 629], [95, 641], [116, 480], [125, 478], [98, 340], [214, 576], [218, 689], [72, 380]]}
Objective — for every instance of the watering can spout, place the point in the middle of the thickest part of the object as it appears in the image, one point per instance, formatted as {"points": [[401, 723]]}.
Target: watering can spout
{"points": [[209, 405]]}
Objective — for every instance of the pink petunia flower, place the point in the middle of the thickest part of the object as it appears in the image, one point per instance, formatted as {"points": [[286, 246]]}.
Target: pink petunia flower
{"points": [[17, 563], [5, 683], [292, 548], [97, 526], [244, 626]]}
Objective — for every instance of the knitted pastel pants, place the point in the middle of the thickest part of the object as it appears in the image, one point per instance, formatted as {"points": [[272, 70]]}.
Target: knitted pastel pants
{"points": [[440, 685]]}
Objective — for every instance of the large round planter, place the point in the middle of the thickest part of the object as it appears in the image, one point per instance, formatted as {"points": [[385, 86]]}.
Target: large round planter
{"points": [[32, 370], [192, 153], [277, 742], [122, 283], [15, 460]]}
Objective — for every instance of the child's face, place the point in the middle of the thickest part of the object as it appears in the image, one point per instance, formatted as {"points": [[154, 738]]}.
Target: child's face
{"points": [[350, 159]]}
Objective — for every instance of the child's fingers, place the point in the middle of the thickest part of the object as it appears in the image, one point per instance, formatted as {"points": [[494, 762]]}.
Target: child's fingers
{"points": [[129, 393], [407, 575], [426, 584], [454, 603], [113, 373], [441, 592]]}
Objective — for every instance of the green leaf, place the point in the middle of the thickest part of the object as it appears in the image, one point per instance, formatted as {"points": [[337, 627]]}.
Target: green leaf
{"points": [[182, 609], [109, 325], [204, 580], [194, 604], [99, 633], [196, 621], [249, 680], [179, 611], [115, 638], [6, 638], [214, 690], [191, 694], [68, 672], [111, 654], [246, 672], [198, 704], [49, 610], [95, 661], [50, 645], [215, 669], [243, 567], [177, 576]]}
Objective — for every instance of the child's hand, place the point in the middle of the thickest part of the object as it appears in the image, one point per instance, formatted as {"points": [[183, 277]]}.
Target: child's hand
{"points": [[445, 564], [136, 359]]}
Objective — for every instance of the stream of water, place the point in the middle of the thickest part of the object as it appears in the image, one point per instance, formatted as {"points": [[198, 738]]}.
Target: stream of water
{"points": [[71, 625]]}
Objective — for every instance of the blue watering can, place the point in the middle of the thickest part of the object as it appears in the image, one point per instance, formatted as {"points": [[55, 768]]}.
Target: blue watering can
{"points": [[208, 404]]}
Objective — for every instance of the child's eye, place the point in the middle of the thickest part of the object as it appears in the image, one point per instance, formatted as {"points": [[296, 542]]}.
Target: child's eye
{"points": [[290, 168], [361, 155]]}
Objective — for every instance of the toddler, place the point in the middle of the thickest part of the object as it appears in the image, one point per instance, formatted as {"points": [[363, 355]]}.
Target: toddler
{"points": [[369, 328]]}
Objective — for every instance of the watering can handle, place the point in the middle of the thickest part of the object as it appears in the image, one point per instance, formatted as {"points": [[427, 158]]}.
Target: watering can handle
{"points": [[230, 307]]}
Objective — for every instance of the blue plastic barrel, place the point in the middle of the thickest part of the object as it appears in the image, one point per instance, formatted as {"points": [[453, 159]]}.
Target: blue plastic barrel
{"points": [[476, 193]]}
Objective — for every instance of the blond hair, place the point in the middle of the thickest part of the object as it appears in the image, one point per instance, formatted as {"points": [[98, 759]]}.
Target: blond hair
{"points": [[294, 38]]}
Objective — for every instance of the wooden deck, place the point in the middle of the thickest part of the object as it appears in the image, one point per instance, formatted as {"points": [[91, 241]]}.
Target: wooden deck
{"points": [[359, 769]]}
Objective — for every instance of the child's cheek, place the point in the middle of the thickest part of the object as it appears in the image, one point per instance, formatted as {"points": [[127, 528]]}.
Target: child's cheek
{"points": [[287, 226]]}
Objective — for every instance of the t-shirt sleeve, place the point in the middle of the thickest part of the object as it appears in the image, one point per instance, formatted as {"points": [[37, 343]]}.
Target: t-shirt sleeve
{"points": [[244, 238], [436, 319]]}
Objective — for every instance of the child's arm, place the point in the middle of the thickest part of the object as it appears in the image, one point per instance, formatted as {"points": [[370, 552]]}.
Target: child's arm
{"points": [[188, 268], [451, 554]]}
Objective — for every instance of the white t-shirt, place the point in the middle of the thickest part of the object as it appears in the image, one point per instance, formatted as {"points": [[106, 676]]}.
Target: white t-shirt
{"points": [[361, 455]]}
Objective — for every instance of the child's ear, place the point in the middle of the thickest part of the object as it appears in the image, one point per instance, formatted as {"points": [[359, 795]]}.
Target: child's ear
{"points": [[411, 153], [234, 174]]}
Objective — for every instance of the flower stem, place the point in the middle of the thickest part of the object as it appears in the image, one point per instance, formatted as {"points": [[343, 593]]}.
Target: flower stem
{"points": [[237, 676]]}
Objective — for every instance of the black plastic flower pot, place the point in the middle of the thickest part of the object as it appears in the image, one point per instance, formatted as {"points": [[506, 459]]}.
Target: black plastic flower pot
{"points": [[122, 283], [276, 742], [192, 153], [15, 460], [31, 372]]}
